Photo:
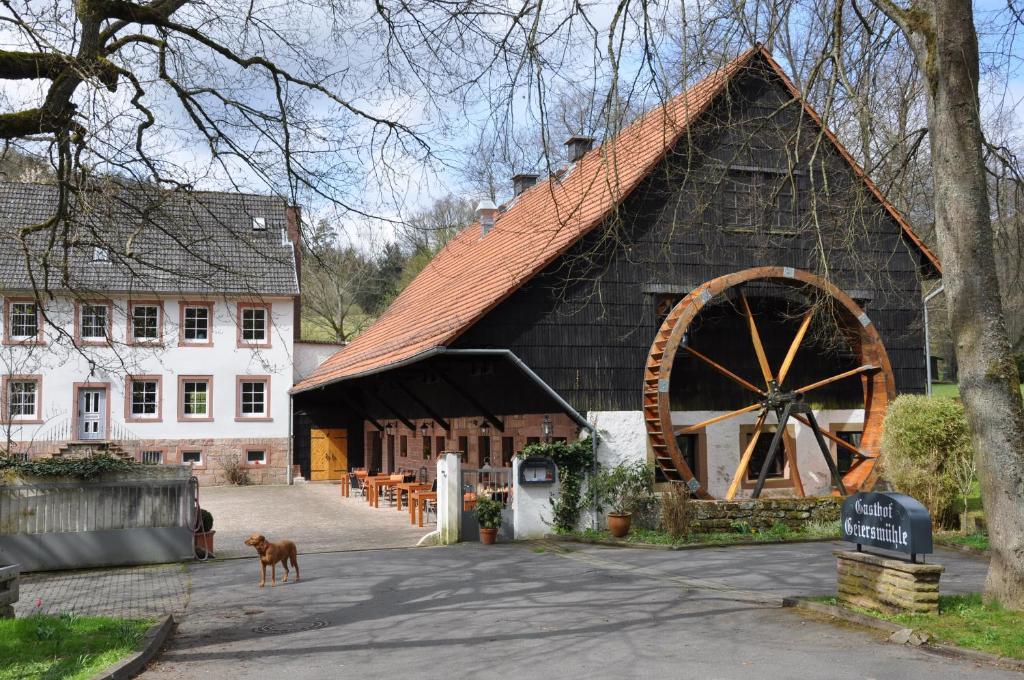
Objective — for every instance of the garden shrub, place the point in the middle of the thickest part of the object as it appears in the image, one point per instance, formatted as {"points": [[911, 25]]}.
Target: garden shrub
{"points": [[79, 468], [925, 441], [234, 470], [677, 512], [628, 488]]}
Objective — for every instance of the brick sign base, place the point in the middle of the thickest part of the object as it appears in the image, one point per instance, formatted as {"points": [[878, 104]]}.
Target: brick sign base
{"points": [[8, 591], [887, 585]]}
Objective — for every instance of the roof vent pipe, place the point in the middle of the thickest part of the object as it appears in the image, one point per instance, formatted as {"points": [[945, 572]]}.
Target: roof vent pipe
{"points": [[522, 182], [578, 147], [486, 211]]}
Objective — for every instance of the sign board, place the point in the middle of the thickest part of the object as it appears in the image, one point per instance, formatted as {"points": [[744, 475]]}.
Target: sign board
{"points": [[537, 470], [893, 521]]}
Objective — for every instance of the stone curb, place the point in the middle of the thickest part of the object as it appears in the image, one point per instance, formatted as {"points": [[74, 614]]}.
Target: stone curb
{"points": [[867, 621], [688, 546], [148, 648]]}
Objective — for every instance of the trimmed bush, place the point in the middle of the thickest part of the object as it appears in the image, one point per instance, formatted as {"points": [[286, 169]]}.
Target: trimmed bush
{"points": [[677, 511], [924, 442]]}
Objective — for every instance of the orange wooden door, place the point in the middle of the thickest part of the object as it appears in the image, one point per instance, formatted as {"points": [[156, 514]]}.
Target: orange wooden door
{"points": [[328, 453]]}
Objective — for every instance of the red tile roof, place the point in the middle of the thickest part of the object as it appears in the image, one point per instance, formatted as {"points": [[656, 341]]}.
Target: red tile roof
{"points": [[473, 274]]}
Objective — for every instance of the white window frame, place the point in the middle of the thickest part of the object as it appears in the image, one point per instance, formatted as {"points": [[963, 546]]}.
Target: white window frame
{"points": [[13, 325], [198, 463], [11, 415], [262, 462], [264, 329], [185, 393], [136, 316], [93, 307], [251, 401], [158, 452], [156, 399], [195, 327]]}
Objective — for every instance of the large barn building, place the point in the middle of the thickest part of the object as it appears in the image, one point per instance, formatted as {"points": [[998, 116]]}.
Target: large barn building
{"points": [[593, 300]]}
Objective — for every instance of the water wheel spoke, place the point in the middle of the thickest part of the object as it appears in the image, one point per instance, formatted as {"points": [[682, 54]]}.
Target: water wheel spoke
{"points": [[724, 371], [755, 337], [748, 453], [787, 363], [794, 472], [838, 440], [717, 419], [839, 376]]}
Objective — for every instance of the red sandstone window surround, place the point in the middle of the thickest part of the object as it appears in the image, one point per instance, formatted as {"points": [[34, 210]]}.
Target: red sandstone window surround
{"points": [[145, 322], [252, 398], [253, 325], [143, 399], [23, 399], [23, 322], [195, 324], [195, 398], [93, 322]]}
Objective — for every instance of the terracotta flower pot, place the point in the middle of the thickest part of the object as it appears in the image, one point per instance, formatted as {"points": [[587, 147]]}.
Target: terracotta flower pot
{"points": [[488, 536], [619, 524], [203, 540]]}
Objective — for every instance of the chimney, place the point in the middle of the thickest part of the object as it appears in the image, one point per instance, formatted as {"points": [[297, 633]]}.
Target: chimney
{"points": [[578, 147], [293, 232], [486, 211], [522, 182]]}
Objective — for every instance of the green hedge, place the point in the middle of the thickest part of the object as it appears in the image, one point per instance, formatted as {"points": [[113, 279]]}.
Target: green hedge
{"points": [[925, 442], [80, 468]]}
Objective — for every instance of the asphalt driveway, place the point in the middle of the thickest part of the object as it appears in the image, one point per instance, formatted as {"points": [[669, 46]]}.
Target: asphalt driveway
{"points": [[541, 611]]}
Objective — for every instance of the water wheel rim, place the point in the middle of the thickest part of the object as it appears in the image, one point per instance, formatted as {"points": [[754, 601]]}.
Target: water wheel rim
{"points": [[879, 386]]}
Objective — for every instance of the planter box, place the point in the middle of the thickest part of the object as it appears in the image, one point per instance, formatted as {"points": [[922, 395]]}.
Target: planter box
{"points": [[8, 590]]}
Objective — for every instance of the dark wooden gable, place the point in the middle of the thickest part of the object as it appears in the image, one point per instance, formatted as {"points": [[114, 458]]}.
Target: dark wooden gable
{"points": [[754, 183]]}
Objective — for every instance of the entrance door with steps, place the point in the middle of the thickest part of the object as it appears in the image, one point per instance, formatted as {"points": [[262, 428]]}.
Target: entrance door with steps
{"points": [[92, 423]]}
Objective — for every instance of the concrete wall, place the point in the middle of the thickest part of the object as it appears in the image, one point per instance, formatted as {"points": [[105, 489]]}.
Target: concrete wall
{"points": [[309, 355], [531, 506], [142, 517], [8, 590], [624, 438]]}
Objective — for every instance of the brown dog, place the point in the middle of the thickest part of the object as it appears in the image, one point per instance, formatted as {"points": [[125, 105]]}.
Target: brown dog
{"points": [[272, 553]]}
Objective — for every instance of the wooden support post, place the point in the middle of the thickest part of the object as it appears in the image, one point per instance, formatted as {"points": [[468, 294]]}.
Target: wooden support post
{"points": [[473, 401], [779, 433], [405, 421], [836, 477], [424, 405]]}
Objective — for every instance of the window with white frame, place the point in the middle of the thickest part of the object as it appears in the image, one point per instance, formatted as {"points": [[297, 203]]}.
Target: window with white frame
{"points": [[197, 324], [256, 457], [254, 398], [196, 395], [145, 398], [24, 321], [152, 457], [94, 322], [192, 457], [254, 325], [100, 254], [23, 399], [146, 323]]}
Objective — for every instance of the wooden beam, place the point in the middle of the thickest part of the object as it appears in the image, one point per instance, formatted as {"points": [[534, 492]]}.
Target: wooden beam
{"points": [[423, 405], [395, 412], [839, 442], [360, 411], [473, 401], [839, 376]]}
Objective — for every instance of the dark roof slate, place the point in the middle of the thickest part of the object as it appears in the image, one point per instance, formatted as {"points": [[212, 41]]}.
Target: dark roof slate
{"points": [[158, 242]]}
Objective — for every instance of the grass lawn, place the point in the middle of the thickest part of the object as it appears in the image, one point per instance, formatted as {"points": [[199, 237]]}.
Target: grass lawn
{"points": [[976, 541], [775, 533], [952, 389], [65, 646], [965, 621]]}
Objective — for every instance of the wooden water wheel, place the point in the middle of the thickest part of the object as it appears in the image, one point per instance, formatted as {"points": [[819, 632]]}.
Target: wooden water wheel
{"points": [[769, 393]]}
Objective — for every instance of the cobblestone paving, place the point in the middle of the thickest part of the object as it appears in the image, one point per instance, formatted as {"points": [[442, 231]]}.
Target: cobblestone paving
{"points": [[315, 516], [131, 593]]}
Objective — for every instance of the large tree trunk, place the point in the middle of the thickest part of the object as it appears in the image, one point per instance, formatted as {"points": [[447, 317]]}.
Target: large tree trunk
{"points": [[946, 45]]}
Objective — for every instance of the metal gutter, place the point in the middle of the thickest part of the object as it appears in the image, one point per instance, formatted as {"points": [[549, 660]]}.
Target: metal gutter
{"points": [[927, 340], [419, 356]]}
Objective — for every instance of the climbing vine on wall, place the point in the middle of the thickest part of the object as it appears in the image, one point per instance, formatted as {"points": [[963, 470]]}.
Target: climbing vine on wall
{"points": [[574, 461]]}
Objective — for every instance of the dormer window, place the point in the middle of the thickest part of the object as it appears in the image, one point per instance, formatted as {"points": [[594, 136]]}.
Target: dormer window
{"points": [[100, 255], [259, 224]]}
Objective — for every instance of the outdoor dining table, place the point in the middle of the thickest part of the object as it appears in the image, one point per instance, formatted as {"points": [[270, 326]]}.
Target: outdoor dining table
{"points": [[409, 488], [378, 486], [371, 487], [418, 505]]}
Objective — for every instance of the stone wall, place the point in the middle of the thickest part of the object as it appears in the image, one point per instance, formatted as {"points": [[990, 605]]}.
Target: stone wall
{"points": [[887, 585], [763, 513]]}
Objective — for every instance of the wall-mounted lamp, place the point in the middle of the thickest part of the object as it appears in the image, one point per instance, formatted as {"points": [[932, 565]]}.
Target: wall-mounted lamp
{"points": [[547, 429], [485, 428], [424, 428], [389, 429]]}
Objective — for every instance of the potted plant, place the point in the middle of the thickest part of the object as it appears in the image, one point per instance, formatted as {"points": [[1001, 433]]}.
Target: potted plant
{"points": [[203, 536], [625, 488], [488, 514]]}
